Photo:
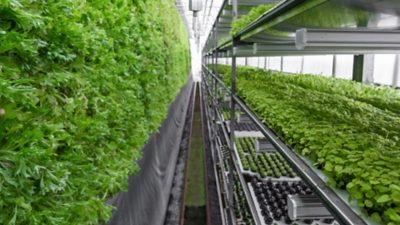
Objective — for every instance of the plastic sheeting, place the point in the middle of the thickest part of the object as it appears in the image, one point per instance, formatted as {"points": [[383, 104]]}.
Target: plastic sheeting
{"points": [[146, 200]]}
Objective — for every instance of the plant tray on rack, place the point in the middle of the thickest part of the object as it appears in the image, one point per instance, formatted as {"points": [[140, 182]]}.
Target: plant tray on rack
{"points": [[270, 200], [262, 165]]}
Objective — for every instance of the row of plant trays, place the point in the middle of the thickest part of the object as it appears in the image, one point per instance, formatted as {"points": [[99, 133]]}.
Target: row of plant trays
{"points": [[342, 194], [270, 209], [270, 200], [275, 175], [269, 174], [242, 211]]}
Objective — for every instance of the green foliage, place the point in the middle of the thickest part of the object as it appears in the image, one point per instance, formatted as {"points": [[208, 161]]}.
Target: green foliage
{"points": [[350, 130], [243, 21], [82, 85]]}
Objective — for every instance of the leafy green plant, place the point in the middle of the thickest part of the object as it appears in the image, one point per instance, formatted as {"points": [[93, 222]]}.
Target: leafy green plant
{"points": [[82, 85], [243, 21], [350, 130]]}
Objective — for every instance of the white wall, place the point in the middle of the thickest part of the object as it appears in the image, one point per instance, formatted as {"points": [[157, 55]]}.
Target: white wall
{"points": [[241, 61], [274, 63], [344, 66], [261, 62], [319, 65], [252, 61], [293, 64], [383, 68]]}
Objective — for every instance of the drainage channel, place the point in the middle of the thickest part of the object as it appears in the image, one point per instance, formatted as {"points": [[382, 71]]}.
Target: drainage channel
{"points": [[195, 191]]}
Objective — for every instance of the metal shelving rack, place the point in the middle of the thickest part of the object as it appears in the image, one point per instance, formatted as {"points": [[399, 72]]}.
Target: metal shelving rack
{"points": [[297, 27], [210, 102]]}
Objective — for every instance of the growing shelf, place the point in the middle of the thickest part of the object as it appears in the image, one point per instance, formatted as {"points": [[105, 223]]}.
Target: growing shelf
{"points": [[271, 201], [303, 27], [300, 27], [340, 208], [233, 188]]}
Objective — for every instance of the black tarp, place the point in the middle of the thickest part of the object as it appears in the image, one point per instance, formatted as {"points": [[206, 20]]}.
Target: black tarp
{"points": [[146, 200]]}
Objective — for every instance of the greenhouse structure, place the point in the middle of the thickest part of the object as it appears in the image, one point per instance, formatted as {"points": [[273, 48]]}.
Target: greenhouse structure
{"points": [[200, 112]]}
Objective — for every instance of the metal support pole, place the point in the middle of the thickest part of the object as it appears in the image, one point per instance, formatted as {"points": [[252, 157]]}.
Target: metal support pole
{"points": [[265, 63], [215, 89], [358, 68], [334, 66], [232, 128], [281, 63], [396, 72], [232, 120], [368, 69], [358, 63], [215, 67], [213, 53]]}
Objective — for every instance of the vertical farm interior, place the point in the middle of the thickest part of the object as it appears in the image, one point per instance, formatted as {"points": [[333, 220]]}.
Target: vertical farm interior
{"points": [[200, 112]]}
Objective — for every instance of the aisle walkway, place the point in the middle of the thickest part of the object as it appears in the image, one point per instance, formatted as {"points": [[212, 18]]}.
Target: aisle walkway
{"points": [[195, 209]]}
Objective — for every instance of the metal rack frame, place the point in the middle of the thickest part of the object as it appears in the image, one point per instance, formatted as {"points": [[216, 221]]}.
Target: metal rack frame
{"points": [[208, 91], [343, 213], [255, 40]]}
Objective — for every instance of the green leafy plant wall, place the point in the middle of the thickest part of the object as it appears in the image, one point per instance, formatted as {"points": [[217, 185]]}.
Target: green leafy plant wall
{"points": [[82, 85], [350, 130]]}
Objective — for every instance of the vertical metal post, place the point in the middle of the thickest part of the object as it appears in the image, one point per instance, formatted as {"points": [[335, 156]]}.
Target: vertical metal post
{"points": [[232, 120], [215, 89], [396, 72], [232, 129], [212, 53], [215, 68], [211, 86], [302, 65], [358, 65], [334, 66], [368, 69], [266, 63], [233, 93], [281, 63], [358, 62]]}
